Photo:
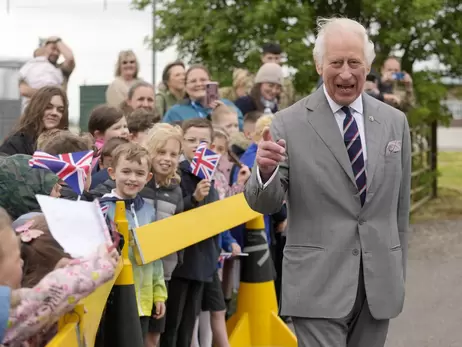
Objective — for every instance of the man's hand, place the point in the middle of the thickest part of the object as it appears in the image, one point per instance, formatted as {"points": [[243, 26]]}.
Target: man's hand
{"points": [[235, 249], [202, 190], [269, 154], [407, 80], [243, 175], [160, 310], [52, 39], [392, 99]]}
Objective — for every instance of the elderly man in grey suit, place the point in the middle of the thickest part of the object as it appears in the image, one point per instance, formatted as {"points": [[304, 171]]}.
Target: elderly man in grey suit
{"points": [[341, 159]]}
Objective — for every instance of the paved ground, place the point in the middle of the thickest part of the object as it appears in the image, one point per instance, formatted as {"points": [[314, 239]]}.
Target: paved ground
{"points": [[449, 139], [432, 314]]}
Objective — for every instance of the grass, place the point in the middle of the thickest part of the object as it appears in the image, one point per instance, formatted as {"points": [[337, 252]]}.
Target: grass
{"points": [[448, 204]]}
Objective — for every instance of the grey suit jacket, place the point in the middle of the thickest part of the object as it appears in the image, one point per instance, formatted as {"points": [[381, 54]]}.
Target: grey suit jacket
{"points": [[328, 230]]}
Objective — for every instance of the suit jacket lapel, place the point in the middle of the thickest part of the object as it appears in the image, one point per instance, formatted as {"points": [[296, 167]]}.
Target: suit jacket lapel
{"points": [[374, 129], [323, 122]]}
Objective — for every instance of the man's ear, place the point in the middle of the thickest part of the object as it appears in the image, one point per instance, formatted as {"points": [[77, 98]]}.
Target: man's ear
{"points": [[111, 172], [319, 69]]}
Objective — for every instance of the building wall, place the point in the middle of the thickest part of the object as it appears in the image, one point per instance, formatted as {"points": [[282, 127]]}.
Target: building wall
{"points": [[90, 96]]}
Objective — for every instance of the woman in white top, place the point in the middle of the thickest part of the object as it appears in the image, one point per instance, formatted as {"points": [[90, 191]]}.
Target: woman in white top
{"points": [[126, 75]]}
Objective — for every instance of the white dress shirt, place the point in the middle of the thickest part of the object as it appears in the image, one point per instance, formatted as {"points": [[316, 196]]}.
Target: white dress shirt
{"points": [[356, 111]]}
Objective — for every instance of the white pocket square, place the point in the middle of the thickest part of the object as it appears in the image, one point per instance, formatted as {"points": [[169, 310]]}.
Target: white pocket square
{"points": [[393, 146]]}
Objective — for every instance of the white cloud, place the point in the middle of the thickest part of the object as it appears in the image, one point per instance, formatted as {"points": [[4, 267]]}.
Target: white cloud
{"points": [[95, 35]]}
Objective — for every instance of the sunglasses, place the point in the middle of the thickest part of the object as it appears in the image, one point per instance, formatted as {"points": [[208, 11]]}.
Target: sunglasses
{"points": [[125, 62]]}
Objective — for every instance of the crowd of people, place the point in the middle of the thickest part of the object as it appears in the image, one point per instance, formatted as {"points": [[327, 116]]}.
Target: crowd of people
{"points": [[144, 139]]}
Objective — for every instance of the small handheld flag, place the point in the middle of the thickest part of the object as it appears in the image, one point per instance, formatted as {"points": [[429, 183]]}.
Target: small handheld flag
{"points": [[72, 168], [227, 255], [104, 210], [205, 162]]}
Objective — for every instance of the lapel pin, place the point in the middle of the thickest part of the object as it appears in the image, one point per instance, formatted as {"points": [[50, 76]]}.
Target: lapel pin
{"points": [[371, 118]]}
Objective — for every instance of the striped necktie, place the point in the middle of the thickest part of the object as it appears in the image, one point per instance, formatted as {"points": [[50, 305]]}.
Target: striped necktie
{"points": [[355, 152]]}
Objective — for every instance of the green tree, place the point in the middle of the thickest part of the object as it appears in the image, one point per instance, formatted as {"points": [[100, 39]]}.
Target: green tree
{"points": [[223, 34]]}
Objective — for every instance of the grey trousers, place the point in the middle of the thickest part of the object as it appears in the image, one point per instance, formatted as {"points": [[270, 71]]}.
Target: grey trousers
{"points": [[358, 329]]}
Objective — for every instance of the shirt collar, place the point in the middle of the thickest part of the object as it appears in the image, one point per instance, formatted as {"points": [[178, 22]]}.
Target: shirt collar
{"points": [[356, 105]]}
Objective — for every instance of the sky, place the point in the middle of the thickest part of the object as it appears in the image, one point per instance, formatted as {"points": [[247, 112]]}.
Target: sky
{"points": [[95, 35]]}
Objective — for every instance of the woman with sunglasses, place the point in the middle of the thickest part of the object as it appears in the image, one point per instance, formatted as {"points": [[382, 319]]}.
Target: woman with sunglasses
{"points": [[126, 75]]}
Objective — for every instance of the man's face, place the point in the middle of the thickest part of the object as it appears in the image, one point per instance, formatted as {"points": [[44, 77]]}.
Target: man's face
{"points": [[52, 52], [391, 66], [271, 58], [344, 68]]}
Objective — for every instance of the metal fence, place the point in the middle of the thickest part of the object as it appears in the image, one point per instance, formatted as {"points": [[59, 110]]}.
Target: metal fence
{"points": [[424, 183]]}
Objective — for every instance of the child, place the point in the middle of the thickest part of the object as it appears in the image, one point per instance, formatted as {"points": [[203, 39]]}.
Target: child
{"points": [[34, 311], [199, 263], [225, 117], [275, 223], [41, 255], [67, 142], [220, 145], [19, 183], [250, 123], [131, 170], [39, 72], [46, 136], [105, 123], [163, 143], [139, 122], [211, 321], [105, 161]]}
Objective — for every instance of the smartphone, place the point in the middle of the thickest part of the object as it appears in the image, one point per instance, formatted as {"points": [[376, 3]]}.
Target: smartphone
{"points": [[211, 92], [398, 76]]}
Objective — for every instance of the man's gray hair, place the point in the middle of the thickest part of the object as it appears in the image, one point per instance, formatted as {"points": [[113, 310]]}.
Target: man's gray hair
{"points": [[326, 25]]}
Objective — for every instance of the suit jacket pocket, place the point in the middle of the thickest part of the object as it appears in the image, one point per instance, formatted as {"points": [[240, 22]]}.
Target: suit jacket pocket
{"points": [[306, 247]]}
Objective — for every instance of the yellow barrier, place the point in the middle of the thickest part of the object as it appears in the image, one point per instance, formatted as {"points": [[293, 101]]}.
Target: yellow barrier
{"points": [[183, 230], [155, 241]]}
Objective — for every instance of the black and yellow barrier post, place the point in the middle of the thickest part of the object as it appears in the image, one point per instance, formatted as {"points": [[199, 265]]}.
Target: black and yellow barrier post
{"points": [[121, 325], [256, 321]]}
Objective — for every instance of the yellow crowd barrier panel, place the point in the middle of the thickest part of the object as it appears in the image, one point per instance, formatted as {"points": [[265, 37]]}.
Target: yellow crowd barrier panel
{"points": [[256, 315]]}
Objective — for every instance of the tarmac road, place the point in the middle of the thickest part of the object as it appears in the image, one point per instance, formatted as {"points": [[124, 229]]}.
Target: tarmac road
{"points": [[432, 315]]}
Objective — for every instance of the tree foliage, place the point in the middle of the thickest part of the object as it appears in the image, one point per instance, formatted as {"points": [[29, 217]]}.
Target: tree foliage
{"points": [[224, 34]]}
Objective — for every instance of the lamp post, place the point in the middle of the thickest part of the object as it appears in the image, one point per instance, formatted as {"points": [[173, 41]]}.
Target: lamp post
{"points": [[153, 48]]}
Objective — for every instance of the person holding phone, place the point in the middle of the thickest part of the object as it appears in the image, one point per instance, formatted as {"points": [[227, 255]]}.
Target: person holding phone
{"points": [[396, 85], [201, 98], [266, 92]]}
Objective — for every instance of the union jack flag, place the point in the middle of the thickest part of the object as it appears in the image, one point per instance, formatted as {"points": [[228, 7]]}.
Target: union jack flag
{"points": [[205, 162], [72, 168]]}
